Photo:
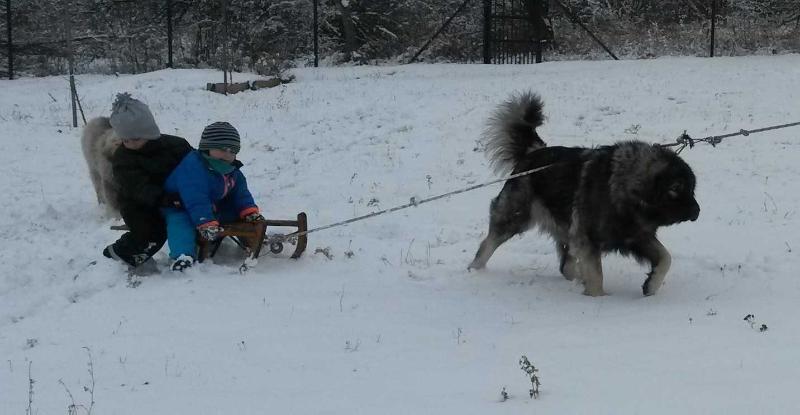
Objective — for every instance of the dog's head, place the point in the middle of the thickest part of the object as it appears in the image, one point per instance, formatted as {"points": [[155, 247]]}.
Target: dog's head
{"points": [[654, 182], [669, 196]]}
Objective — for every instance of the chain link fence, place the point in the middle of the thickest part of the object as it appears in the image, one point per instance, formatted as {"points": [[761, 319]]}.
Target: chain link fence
{"points": [[267, 36]]}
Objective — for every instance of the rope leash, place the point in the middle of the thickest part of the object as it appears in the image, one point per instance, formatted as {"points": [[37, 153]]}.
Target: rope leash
{"points": [[412, 203], [684, 140]]}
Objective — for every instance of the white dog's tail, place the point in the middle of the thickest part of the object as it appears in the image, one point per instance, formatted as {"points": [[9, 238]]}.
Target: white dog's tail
{"points": [[98, 143], [100, 122], [511, 131], [99, 138], [94, 129]]}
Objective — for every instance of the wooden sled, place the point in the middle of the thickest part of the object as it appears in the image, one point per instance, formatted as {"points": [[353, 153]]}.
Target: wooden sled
{"points": [[252, 236]]}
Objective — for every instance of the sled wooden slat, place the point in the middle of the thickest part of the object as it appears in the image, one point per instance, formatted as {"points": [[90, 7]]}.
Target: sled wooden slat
{"points": [[275, 222]]}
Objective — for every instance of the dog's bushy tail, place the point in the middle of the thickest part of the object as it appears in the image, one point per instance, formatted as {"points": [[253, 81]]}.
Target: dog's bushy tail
{"points": [[511, 131], [100, 124], [92, 135], [95, 128]]}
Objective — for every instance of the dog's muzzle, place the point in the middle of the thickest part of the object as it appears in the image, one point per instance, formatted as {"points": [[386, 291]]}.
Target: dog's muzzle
{"points": [[694, 211]]}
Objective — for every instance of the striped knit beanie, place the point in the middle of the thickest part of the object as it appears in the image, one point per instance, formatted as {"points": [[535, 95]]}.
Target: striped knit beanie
{"points": [[220, 135]]}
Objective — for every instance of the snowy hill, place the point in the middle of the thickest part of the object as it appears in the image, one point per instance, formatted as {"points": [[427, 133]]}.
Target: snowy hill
{"points": [[400, 326]]}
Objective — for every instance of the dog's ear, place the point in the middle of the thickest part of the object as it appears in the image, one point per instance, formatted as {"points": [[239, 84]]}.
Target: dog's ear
{"points": [[671, 188], [661, 188]]}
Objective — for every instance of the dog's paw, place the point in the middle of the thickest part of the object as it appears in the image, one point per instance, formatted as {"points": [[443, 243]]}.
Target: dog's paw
{"points": [[594, 292], [475, 265], [649, 287]]}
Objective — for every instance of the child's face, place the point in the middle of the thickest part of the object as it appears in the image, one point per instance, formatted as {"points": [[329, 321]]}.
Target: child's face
{"points": [[134, 143], [224, 155]]}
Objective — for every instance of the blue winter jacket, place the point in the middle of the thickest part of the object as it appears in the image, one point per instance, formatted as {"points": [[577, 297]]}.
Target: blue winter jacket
{"points": [[203, 190]]}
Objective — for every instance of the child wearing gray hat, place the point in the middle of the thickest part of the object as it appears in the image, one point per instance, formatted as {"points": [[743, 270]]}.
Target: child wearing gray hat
{"points": [[140, 166], [213, 191]]}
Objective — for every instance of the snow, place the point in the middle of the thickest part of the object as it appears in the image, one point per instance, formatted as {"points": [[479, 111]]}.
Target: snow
{"points": [[400, 326]]}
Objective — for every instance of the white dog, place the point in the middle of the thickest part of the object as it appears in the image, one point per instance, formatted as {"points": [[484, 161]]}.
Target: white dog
{"points": [[99, 143]]}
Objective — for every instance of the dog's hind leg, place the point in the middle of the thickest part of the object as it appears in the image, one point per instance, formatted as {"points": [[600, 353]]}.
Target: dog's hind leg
{"points": [[507, 217], [492, 241], [660, 261]]}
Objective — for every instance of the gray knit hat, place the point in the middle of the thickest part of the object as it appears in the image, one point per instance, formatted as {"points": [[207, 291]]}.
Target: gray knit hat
{"points": [[131, 118], [220, 135]]}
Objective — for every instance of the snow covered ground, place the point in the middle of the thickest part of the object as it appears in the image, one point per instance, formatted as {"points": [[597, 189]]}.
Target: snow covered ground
{"points": [[393, 323]]}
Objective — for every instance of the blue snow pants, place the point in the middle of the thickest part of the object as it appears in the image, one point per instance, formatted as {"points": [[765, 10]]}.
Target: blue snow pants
{"points": [[181, 232]]}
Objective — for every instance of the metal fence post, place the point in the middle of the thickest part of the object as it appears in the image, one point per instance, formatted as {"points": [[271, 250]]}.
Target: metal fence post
{"points": [[316, 33], [10, 44], [71, 63], [713, 24], [225, 44], [487, 31], [169, 33]]}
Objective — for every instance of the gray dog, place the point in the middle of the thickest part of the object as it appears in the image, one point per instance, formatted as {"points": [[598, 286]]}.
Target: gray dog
{"points": [[99, 143], [589, 200]]}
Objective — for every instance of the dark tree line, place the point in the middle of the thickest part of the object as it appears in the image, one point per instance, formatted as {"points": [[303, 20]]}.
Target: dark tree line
{"points": [[269, 35]]}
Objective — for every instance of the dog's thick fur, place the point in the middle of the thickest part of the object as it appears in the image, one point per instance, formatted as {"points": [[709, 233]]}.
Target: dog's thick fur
{"points": [[591, 201], [99, 143]]}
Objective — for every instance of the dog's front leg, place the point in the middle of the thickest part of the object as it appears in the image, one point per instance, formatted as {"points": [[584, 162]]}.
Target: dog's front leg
{"points": [[591, 271], [567, 263], [660, 260]]}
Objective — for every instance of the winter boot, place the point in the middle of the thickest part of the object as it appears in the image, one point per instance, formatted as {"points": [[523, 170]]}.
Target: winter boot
{"points": [[183, 262], [140, 265], [108, 252]]}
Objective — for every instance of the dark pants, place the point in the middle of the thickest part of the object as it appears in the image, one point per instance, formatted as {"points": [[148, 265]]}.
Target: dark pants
{"points": [[147, 235]]}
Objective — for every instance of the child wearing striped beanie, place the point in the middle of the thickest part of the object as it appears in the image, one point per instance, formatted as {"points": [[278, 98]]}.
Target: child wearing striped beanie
{"points": [[220, 135], [213, 190]]}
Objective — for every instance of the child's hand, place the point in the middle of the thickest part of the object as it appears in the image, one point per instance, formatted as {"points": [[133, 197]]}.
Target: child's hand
{"points": [[210, 230], [254, 217]]}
